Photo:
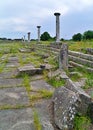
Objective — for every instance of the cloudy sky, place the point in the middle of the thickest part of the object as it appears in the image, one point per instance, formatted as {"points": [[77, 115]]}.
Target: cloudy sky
{"points": [[17, 17]]}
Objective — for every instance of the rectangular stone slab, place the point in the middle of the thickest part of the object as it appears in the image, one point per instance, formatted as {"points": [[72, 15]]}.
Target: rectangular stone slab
{"points": [[31, 70], [13, 96], [17, 119]]}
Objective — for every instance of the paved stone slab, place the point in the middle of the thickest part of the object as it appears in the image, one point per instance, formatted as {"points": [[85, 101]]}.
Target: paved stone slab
{"points": [[12, 64], [41, 84], [13, 96], [36, 77], [8, 73], [13, 59], [42, 108], [11, 82], [18, 119]]}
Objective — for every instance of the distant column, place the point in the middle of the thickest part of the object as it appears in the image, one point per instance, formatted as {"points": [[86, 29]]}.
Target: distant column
{"points": [[28, 36], [38, 27], [24, 38], [57, 27]]}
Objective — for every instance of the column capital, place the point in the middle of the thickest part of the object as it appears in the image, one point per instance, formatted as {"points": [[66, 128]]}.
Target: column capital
{"points": [[38, 26], [57, 14], [28, 33]]}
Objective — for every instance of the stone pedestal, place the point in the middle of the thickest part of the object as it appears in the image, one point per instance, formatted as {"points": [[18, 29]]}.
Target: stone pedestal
{"points": [[57, 27], [63, 57], [38, 32]]}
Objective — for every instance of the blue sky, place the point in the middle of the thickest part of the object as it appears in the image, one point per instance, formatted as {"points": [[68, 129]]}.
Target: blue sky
{"points": [[17, 17]]}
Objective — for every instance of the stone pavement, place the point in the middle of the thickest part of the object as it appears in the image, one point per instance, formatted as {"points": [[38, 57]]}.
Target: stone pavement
{"points": [[16, 110]]}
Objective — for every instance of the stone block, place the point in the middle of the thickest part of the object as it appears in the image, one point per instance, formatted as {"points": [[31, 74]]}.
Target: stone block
{"points": [[65, 107], [30, 70], [85, 99]]}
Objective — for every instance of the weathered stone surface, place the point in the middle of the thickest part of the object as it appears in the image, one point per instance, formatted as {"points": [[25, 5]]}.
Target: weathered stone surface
{"points": [[13, 96], [65, 107], [63, 57], [85, 99], [81, 66], [67, 101], [44, 115], [54, 73], [17, 119], [75, 73], [80, 83], [31, 70], [81, 61], [40, 85], [81, 55], [26, 50], [63, 75], [10, 82], [45, 56], [89, 50], [21, 119]]}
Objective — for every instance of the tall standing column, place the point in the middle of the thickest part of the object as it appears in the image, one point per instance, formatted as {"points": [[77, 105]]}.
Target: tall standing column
{"points": [[57, 27], [38, 27], [28, 36], [24, 38]]}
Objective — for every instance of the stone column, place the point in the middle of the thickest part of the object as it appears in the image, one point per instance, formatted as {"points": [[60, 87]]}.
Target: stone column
{"points": [[57, 27], [24, 38], [38, 27], [28, 36], [63, 57]]}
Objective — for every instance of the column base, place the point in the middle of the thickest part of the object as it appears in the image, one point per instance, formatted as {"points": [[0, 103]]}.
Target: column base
{"points": [[56, 44]]}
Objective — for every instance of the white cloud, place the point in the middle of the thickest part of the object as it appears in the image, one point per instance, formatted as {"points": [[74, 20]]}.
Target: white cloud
{"points": [[20, 15]]}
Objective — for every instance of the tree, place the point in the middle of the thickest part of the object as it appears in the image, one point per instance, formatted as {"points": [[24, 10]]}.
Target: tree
{"points": [[88, 35], [45, 36], [77, 37]]}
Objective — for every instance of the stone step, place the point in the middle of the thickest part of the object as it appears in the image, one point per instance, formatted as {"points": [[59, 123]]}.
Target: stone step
{"points": [[81, 55], [81, 61], [81, 66]]}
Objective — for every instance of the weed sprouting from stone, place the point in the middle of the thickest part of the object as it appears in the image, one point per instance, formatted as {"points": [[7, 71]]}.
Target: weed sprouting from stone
{"points": [[37, 123]]}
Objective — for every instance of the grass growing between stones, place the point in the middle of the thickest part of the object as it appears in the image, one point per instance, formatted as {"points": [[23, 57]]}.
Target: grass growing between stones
{"points": [[6, 107], [75, 77], [81, 123], [37, 123], [85, 74], [26, 82], [56, 82], [41, 94], [30, 59], [89, 81]]}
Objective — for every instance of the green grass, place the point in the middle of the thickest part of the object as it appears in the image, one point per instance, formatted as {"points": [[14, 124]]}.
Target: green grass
{"points": [[17, 106], [37, 123], [41, 94], [81, 123], [56, 83], [80, 46], [26, 82], [45, 93], [89, 81]]}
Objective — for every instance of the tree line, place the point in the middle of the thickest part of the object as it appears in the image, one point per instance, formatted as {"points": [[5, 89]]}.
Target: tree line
{"points": [[87, 35]]}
